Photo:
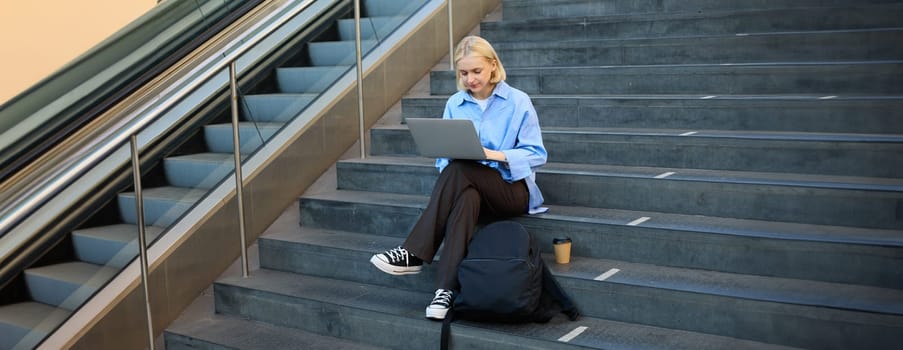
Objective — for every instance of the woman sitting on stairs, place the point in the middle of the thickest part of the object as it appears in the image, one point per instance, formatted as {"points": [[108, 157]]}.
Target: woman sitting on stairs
{"points": [[502, 186]]}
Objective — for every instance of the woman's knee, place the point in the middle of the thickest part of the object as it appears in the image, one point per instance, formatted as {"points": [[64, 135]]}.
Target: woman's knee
{"points": [[466, 208], [470, 195]]}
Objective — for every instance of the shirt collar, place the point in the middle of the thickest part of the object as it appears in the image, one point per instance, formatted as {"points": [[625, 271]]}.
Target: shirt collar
{"points": [[502, 90]]}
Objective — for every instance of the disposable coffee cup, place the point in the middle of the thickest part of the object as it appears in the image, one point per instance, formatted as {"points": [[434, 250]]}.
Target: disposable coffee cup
{"points": [[562, 249]]}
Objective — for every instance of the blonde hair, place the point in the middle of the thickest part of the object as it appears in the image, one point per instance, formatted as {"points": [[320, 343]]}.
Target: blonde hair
{"points": [[477, 46]]}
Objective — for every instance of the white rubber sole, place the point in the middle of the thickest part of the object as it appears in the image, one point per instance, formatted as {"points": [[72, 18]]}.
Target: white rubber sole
{"points": [[436, 314], [394, 270]]}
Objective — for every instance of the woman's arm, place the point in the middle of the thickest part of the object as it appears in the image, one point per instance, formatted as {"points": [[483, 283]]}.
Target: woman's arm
{"points": [[528, 152], [495, 155]]}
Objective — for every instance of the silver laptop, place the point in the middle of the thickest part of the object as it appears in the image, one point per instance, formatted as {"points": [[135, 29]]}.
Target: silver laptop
{"points": [[446, 138]]}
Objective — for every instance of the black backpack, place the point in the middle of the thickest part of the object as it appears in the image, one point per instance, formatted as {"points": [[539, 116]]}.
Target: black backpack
{"points": [[504, 279]]}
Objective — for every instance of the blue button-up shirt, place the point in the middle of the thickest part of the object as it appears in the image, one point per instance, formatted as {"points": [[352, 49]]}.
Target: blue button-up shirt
{"points": [[509, 124]]}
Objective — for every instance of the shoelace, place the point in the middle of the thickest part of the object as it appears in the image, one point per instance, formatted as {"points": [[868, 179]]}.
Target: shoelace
{"points": [[398, 254], [443, 298]]}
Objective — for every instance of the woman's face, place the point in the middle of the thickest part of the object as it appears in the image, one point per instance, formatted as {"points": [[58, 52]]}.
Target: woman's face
{"points": [[475, 72]]}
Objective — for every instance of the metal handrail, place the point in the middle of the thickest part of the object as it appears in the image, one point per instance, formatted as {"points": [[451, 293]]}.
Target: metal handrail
{"points": [[141, 117], [142, 112], [35, 121], [148, 112]]}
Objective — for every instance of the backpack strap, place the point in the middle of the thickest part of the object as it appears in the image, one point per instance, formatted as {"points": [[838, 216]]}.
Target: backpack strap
{"points": [[446, 327], [550, 285]]}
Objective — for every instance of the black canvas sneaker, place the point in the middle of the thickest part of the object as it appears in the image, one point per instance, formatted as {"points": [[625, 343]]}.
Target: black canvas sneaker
{"points": [[439, 307], [397, 261]]}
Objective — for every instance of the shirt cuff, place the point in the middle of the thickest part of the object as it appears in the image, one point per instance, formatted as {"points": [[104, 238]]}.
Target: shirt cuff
{"points": [[537, 210]]}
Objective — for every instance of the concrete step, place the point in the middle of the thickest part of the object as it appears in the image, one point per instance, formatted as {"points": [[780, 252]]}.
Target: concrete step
{"points": [[308, 80], [228, 332], [252, 135], [839, 114], [812, 199], [692, 23], [582, 8], [162, 205], [392, 317], [828, 79], [114, 245], [23, 325], [337, 53], [821, 46], [763, 248], [66, 285], [666, 295], [808, 153]]}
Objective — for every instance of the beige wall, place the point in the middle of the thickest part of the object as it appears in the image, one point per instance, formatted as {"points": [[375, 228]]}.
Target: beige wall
{"points": [[37, 37]]}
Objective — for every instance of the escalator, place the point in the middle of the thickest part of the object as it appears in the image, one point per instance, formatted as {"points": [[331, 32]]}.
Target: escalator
{"points": [[68, 209]]}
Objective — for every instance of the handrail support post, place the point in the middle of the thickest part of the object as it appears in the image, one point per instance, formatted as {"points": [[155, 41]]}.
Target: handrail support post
{"points": [[451, 38], [360, 75], [239, 185], [142, 239]]}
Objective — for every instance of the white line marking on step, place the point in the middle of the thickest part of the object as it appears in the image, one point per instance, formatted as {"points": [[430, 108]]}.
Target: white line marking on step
{"points": [[664, 175], [827, 97], [607, 274], [689, 133], [742, 34], [708, 97], [573, 334], [638, 221]]}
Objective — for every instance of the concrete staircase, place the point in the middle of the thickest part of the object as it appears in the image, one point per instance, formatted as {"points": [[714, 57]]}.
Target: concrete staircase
{"points": [[729, 172]]}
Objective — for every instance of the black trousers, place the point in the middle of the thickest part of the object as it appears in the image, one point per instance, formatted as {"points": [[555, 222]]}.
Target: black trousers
{"points": [[464, 192]]}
